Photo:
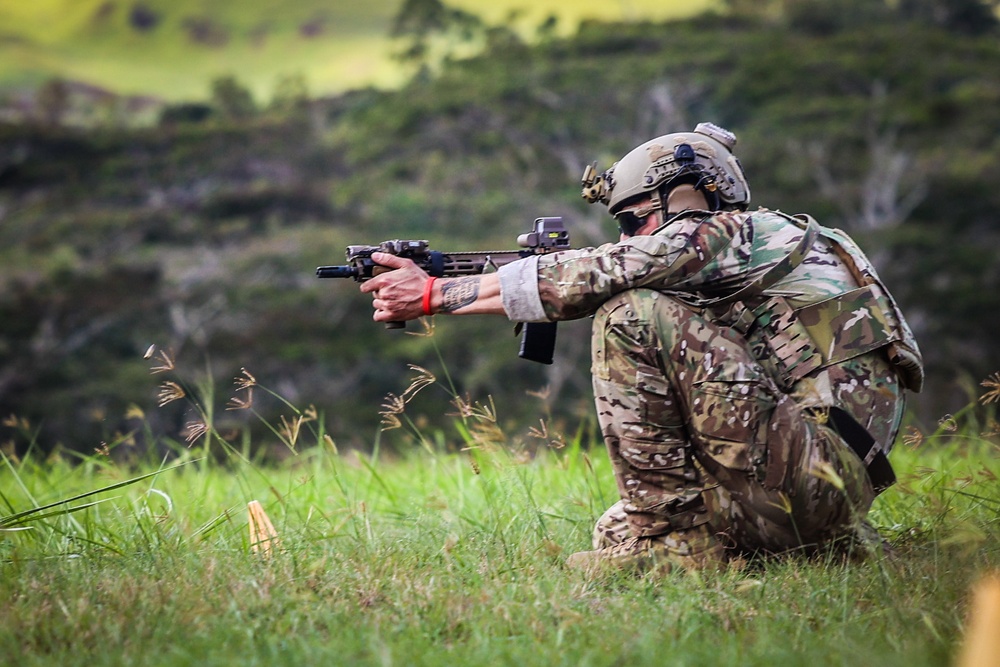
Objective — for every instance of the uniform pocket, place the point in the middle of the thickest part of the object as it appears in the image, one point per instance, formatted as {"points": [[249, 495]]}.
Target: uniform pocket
{"points": [[654, 473], [729, 421], [647, 455], [658, 407]]}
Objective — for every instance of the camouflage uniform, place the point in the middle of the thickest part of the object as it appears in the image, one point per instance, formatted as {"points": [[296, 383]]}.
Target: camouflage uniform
{"points": [[720, 344]]}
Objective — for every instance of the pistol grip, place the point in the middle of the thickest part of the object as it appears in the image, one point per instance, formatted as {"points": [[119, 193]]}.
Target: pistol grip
{"points": [[379, 269]]}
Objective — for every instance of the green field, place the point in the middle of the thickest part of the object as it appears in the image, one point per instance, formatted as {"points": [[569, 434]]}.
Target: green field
{"points": [[335, 45], [451, 554]]}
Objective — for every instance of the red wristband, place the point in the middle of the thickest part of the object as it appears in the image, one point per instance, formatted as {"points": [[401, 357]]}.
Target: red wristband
{"points": [[427, 295]]}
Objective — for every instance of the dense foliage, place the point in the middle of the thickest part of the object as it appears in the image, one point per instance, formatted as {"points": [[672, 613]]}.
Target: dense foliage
{"points": [[201, 233]]}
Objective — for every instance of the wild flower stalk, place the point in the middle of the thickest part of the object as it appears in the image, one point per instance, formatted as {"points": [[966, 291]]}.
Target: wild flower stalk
{"points": [[554, 439], [393, 408], [171, 391], [484, 433], [289, 428]]}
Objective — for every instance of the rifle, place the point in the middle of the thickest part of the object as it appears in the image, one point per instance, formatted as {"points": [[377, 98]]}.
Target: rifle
{"points": [[538, 339]]}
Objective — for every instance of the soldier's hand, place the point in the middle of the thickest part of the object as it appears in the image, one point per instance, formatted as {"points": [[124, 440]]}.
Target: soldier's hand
{"points": [[397, 293]]}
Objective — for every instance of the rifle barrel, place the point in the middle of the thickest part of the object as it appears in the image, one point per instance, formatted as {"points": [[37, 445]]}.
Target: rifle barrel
{"points": [[336, 272]]}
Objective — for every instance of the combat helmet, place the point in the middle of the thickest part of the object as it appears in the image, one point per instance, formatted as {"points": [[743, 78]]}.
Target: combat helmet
{"points": [[702, 158]]}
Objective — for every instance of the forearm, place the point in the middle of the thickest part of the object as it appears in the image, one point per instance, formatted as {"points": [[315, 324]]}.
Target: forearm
{"points": [[467, 295]]}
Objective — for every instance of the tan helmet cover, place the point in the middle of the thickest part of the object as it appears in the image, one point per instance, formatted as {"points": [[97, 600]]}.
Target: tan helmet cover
{"points": [[653, 164]]}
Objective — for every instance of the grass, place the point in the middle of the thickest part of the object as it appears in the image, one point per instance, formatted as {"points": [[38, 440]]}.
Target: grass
{"points": [[450, 553]]}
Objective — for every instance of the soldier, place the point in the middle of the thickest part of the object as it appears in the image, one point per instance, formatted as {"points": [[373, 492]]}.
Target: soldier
{"points": [[749, 368]]}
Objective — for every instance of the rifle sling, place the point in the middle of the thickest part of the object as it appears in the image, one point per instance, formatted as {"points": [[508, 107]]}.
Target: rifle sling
{"points": [[861, 441]]}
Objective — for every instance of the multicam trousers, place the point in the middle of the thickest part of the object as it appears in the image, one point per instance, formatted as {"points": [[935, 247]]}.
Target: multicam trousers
{"points": [[699, 433]]}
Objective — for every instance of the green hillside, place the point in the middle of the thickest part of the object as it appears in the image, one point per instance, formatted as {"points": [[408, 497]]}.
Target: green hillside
{"points": [[172, 48], [200, 231]]}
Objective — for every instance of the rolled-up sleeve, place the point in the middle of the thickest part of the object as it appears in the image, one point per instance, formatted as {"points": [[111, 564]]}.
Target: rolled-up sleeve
{"points": [[519, 291]]}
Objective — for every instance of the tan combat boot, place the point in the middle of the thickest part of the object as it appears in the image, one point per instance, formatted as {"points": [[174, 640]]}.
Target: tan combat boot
{"points": [[691, 549]]}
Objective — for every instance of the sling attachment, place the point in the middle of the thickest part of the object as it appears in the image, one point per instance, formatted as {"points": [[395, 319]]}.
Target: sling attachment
{"points": [[861, 441]]}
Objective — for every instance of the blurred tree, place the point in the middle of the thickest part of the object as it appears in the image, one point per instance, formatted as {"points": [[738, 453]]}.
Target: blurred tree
{"points": [[546, 30], [185, 113], [420, 22], [291, 94], [232, 99], [143, 18], [886, 182], [753, 8], [824, 17], [971, 17], [52, 101]]}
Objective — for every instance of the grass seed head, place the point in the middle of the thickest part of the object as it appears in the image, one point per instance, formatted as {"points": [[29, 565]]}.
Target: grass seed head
{"points": [[163, 359], [992, 385], [541, 433], [290, 429], [826, 472], [390, 421], [169, 392], [237, 403], [913, 437], [784, 503], [423, 378], [245, 380], [428, 328], [392, 407], [475, 410], [542, 394], [194, 430]]}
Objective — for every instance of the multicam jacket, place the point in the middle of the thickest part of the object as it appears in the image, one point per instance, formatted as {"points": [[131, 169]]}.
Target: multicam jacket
{"points": [[805, 292]]}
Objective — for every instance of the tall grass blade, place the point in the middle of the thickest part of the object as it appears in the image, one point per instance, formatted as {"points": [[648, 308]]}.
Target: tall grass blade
{"points": [[21, 517]]}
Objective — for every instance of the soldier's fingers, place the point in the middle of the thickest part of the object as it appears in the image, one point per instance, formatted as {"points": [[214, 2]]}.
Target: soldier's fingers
{"points": [[393, 262]]}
